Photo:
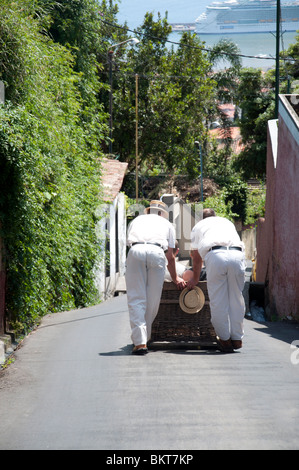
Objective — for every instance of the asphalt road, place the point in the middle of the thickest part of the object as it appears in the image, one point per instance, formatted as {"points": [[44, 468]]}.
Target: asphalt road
{"points": [[74, 385]]}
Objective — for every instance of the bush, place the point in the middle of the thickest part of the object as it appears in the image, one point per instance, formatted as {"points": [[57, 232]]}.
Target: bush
{"points": [[49, 174]]}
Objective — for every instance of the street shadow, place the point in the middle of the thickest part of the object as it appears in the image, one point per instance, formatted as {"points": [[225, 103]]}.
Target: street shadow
{"points": [[124, 351], [84, 318], [208, 351], [281, 330], [127, 351], [191, 352]]}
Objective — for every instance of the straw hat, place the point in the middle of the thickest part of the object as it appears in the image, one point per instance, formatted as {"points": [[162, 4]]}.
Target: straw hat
{"points": [[156, 207], [192, 300]]}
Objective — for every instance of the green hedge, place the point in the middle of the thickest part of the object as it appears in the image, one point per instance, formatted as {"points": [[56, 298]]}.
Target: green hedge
{"points": [[49, 173]]}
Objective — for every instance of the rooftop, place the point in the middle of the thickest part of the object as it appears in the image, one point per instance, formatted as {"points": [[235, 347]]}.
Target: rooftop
{"points": [[112, 178]]}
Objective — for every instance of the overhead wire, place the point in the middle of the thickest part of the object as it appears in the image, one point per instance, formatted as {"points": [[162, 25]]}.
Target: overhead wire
{"points": [[185, 45]]}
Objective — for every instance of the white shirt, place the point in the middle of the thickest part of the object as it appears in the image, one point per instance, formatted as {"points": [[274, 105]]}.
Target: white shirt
{"points": [[151, 228], [213, 231], [180, 269]]}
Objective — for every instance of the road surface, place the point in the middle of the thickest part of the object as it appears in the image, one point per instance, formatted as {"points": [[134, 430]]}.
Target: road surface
{"points": [[74, 385]]}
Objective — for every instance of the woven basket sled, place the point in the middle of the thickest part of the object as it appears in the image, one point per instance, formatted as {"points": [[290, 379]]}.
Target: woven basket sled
{"points": [[173, 327]]}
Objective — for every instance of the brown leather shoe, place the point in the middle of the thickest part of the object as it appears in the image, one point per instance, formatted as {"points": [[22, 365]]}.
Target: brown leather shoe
{"points": [[140, 350], [225, 346], [237, 343]]}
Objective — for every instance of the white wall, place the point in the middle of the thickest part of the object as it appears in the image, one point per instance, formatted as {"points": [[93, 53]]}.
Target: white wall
{"points": [[111, 228]]}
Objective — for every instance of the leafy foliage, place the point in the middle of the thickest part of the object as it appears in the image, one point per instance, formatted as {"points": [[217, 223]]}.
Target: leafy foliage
{"points": [[291, 63], [256, 100], [49, 170], [174, 89]]}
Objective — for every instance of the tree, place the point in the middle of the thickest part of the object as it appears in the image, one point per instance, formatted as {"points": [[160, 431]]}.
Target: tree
{"points": [[256, 101], [290, 58], [225, 66], [226, 52], [82, 27], [174, 90], [49, 169]]}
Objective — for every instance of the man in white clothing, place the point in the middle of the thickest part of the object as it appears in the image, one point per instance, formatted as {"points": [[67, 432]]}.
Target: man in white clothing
{"points": [[151, 237], [216, 241]]}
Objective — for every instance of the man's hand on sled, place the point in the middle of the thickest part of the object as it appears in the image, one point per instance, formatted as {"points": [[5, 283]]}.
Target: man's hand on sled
{"points": [[180, 283], [191, 283]]}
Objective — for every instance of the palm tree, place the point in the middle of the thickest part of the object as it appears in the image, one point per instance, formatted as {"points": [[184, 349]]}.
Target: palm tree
{"points": [[227, 54]]}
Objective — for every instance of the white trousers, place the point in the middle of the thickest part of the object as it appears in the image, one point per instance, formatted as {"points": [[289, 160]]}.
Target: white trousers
{"points": [[145, 272], [225, 283]]}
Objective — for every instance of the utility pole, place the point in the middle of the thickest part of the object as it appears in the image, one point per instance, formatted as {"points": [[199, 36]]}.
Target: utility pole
{"points": [[198, 146], [136, 133], [277, 57], [110, 55]]}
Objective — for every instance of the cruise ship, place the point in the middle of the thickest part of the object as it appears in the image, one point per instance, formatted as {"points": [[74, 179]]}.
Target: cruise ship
{"points": [[251, 16]]}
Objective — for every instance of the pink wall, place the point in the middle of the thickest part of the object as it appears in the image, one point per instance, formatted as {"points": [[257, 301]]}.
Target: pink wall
{"points": [[278, 234]]}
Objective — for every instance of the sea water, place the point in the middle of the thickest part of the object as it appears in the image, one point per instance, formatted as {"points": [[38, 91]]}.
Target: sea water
{"points": [[250, 45]]}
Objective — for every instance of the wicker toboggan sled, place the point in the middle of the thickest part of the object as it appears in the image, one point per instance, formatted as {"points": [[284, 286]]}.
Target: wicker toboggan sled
{"points": [[175, 328]]}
